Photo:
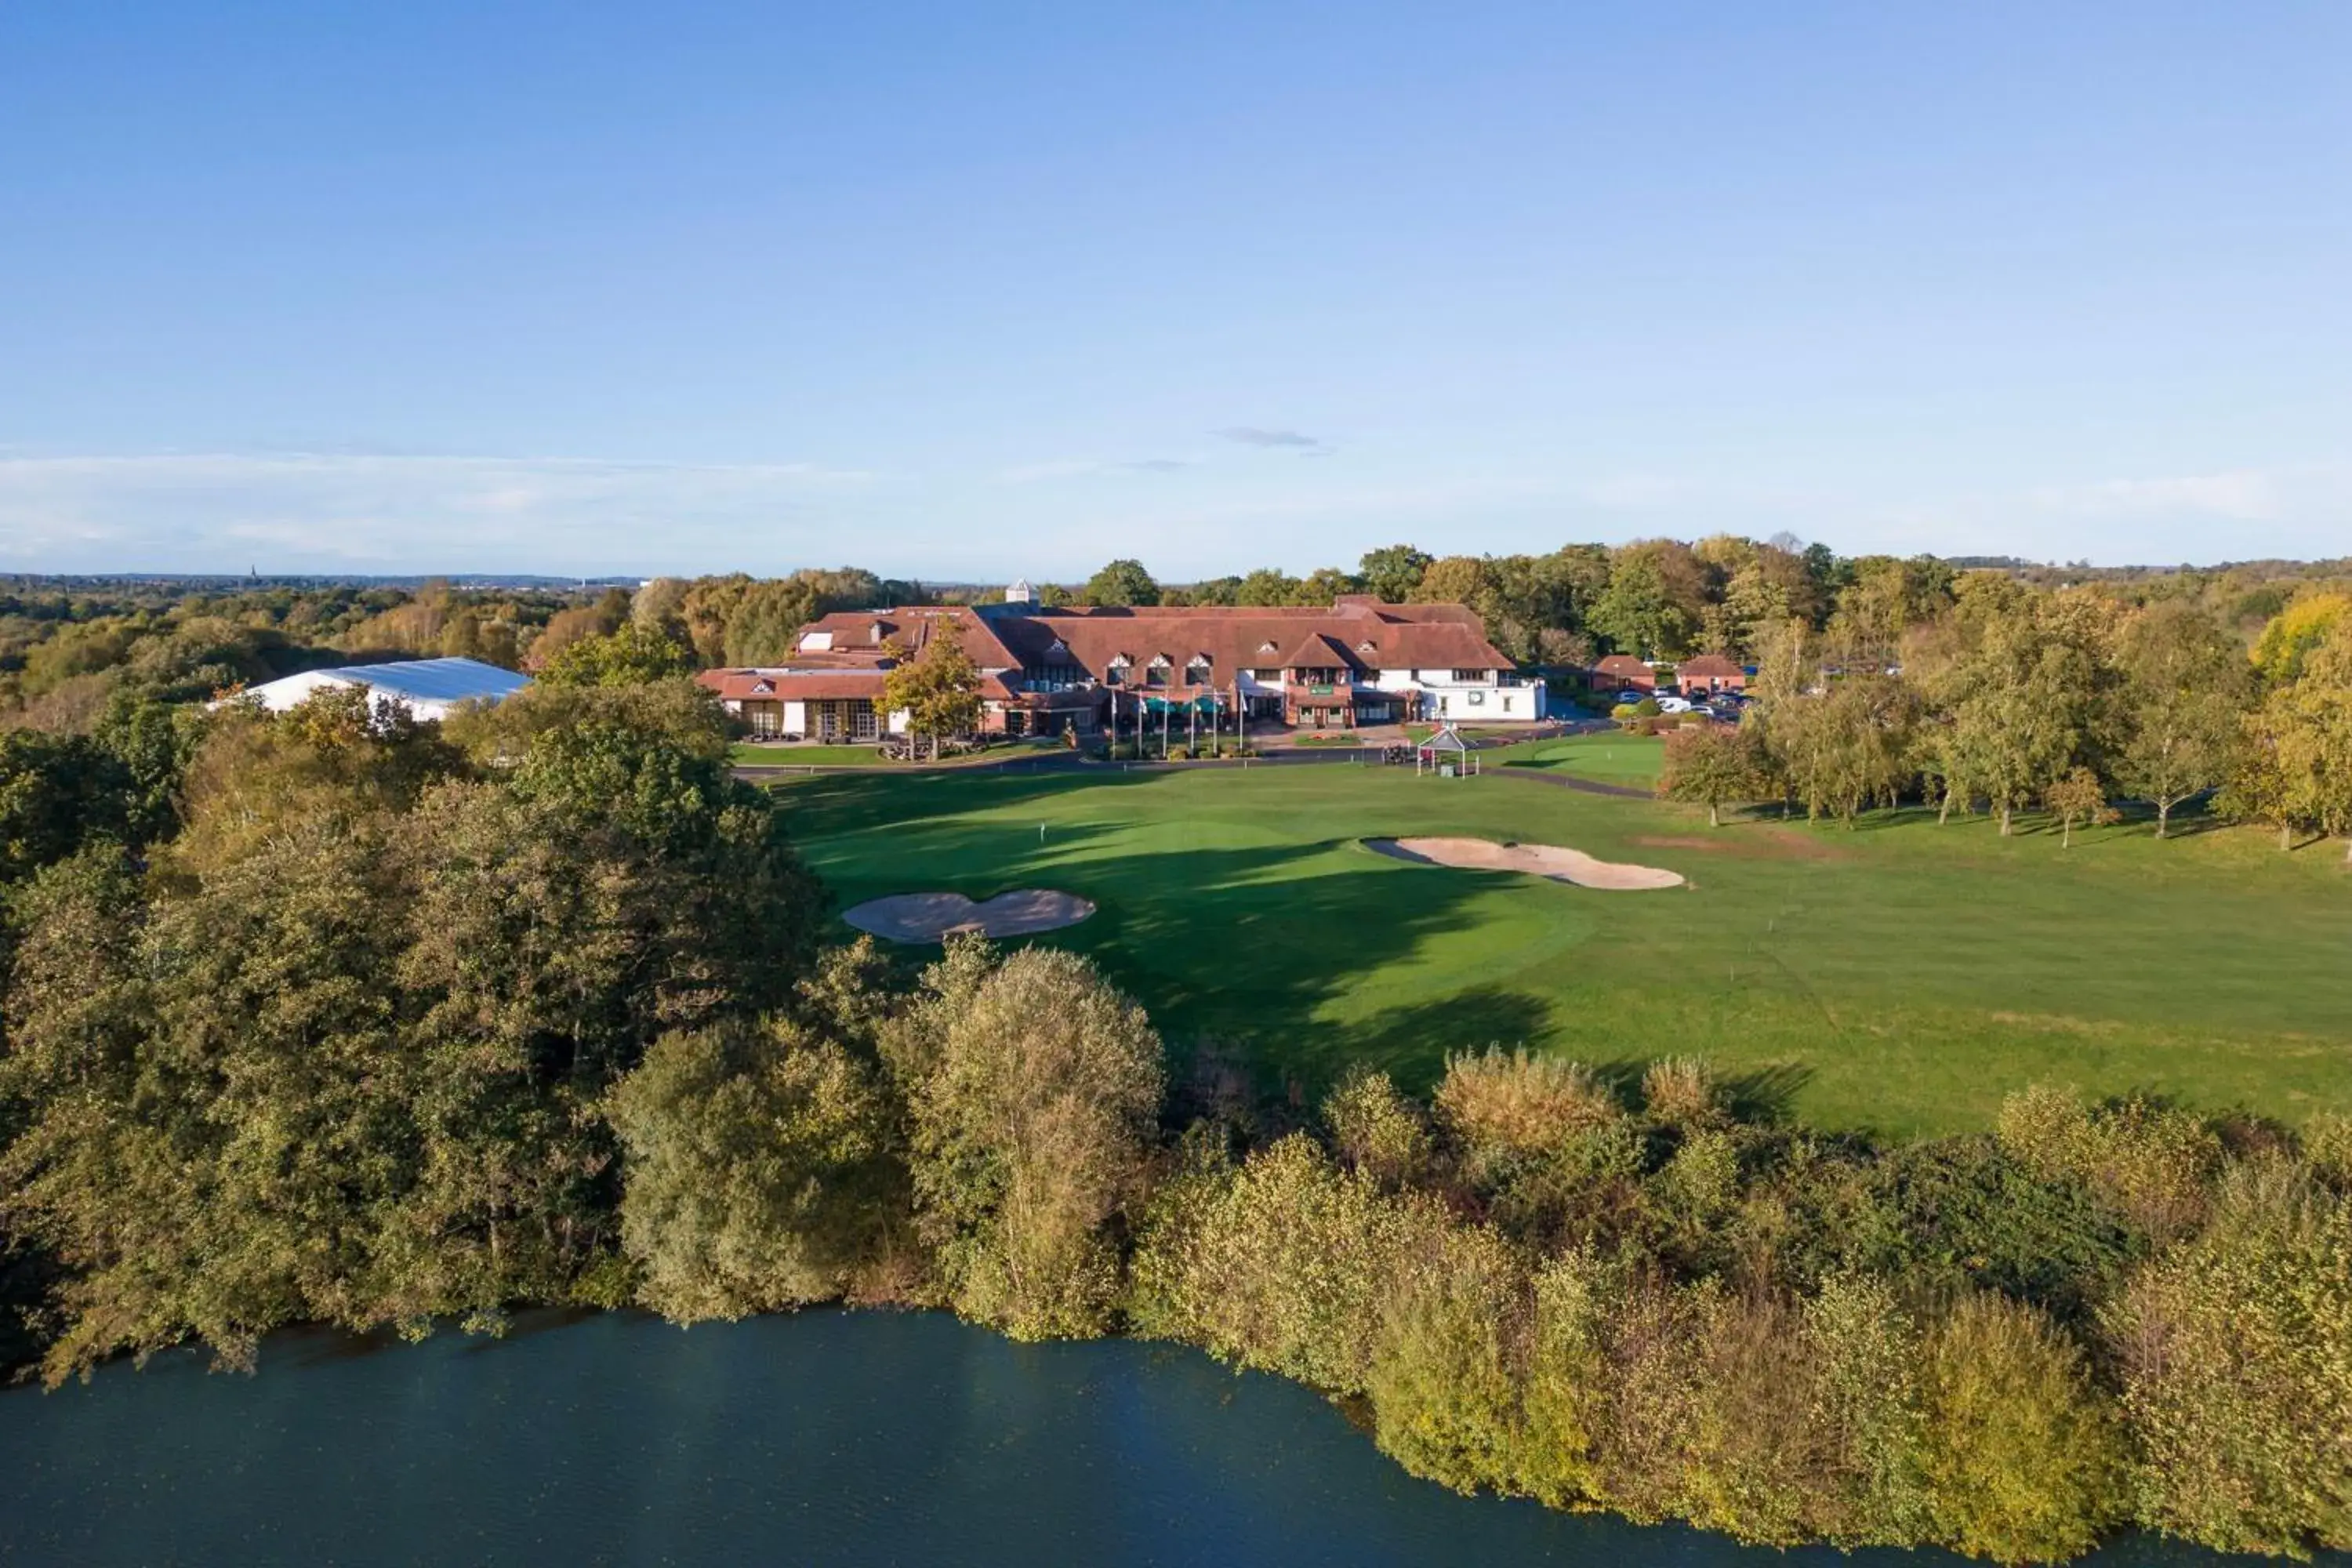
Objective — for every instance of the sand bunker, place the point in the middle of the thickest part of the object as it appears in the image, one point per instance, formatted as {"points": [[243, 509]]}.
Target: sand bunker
{"points": [[932, 917], [1535, 859]]}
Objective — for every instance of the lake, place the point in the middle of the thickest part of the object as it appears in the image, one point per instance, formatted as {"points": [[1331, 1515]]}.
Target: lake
{"points": [[828, 1437]]}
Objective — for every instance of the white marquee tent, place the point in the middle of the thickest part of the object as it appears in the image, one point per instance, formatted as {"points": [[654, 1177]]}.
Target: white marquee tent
{"points": [[430, 687]]}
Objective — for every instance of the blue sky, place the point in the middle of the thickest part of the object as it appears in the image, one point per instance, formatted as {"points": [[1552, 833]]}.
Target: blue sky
{"points": [[973, 290]]}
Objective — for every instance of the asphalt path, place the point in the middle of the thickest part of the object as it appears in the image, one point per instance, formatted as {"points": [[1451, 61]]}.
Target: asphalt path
{"points": [[1279, 757]]}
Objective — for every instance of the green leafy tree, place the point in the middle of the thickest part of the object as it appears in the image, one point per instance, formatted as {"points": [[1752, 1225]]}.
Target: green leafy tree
{"points": [[1375, 1129], [1712, 764], [2029, 715], [1268, 585], [2261, 788], [2309, 729], [1443, 1377], [58, 794], [1283, 1267], [2022, 1454], [632, 655], [2235, 1373], [760, 1170], [1123, 582], [2186, 686], [2295, 631], [1453, 580], [938, 691], [1847, 749], [1325, 584], [1032, 1123], [1394, 570], [1638, 615]]}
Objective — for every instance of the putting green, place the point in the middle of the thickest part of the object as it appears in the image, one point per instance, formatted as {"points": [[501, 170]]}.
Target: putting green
{"points": [[1904, 975]]}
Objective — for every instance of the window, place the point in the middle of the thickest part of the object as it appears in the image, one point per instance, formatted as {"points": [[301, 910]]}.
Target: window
{"points": [[1471, 676], [1117, 674], [1197, 673], [1271, 677], [1157, 674]]}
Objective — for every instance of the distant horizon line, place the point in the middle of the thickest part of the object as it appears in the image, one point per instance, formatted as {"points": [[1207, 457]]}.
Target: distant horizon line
{"points": [[637, 579]]}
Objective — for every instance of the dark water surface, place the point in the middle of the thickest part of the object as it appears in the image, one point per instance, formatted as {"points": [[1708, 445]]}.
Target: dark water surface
{"points": [[824, 1438]]}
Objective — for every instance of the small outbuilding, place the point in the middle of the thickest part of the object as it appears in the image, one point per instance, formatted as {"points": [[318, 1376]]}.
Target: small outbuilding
{"points": [[1622, 672], [1711, 672], [1444, 753]]}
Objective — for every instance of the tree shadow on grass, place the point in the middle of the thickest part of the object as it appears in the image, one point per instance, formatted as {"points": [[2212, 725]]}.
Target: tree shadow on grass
{"points": [[1759, 1096], [829, 804], [1239, 944], [1410, 1042]]}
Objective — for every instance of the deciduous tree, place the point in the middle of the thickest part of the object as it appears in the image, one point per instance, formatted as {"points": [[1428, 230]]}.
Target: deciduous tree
{"points": [[1123, 582], [2186, 685], [939, 690]]}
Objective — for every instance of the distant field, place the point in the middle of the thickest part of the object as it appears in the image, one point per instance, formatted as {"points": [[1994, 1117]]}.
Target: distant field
{"points": [[1902, 975], [1611, 757]]}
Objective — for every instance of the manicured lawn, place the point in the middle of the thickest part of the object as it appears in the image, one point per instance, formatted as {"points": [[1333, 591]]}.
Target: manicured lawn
{"points": [[1611, 757], [1902, 975], [800, 755]]}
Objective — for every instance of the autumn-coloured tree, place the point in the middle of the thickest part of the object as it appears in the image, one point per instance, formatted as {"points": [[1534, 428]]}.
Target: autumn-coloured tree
{"points": [[1710, 764], [2077, 797], [939, 690]]}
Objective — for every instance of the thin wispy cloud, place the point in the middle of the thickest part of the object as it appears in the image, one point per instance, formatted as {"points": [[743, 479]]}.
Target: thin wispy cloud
{"points": [[1260, 436], [293, 511]]}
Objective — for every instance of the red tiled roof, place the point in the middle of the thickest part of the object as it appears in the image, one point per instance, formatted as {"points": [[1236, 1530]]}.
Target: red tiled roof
{"points": [[1709, 664], [1401, 636], [910, 629], [1359, 633], [790, 686], [1623, 664]]}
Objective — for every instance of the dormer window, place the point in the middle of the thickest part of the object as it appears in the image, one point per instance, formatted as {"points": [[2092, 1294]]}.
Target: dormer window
{"points": [[1267, 647], [878, 631], [1366, 647], [1116, 674], [1157, 674], [1197, 673]]}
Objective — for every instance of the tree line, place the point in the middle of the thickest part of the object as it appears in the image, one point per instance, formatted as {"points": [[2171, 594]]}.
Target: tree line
{"points": [[336, 1016], [2009, 700], [65, 647]]}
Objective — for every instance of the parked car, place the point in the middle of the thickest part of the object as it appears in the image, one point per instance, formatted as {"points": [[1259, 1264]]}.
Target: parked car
{"points": [[1672, 705], [1630, 696], [1704, 711]]}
